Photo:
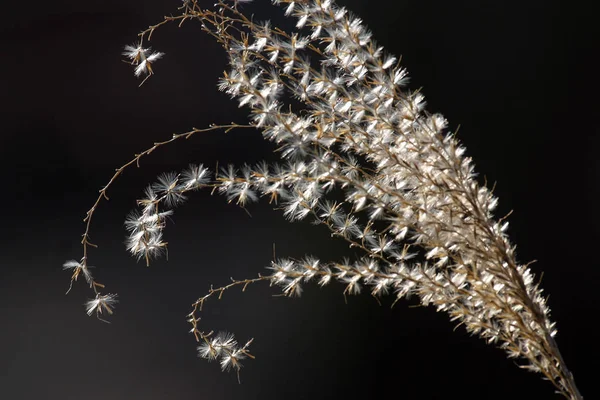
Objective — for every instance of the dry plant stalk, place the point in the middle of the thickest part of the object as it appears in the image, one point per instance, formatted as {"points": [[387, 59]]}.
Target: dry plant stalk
{"points": [[406, 184]]}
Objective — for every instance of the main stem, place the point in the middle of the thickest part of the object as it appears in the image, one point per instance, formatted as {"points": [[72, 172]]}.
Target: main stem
{"points": [[567, 376]]}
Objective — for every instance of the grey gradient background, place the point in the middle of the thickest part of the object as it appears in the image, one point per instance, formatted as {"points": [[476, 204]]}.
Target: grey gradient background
{"points": [[513, 74]]}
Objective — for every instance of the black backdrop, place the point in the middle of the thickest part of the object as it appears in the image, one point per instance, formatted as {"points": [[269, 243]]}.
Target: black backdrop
{"points": [[513, 74]]}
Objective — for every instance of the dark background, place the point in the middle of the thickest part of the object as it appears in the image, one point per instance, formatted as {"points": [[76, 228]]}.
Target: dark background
{"points": [[514, 74]]}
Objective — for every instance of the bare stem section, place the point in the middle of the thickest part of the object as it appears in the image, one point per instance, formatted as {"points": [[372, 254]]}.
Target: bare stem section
{"points": [[410, 199]]}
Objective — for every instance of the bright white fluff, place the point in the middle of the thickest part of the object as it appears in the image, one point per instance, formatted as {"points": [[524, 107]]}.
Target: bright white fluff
{"points": [[101, 304], [142, 58]]}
